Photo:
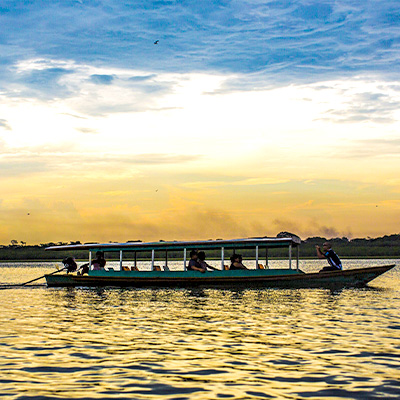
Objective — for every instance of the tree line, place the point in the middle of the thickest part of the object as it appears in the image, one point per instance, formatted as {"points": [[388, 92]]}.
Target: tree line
{"points": [[386, 246]]}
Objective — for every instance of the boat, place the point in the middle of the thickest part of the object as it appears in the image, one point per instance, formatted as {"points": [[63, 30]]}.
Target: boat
{"points": [[261, 275]]}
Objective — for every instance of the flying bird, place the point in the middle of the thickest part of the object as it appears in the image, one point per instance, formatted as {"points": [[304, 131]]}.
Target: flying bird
{"points": [[156, 42]]}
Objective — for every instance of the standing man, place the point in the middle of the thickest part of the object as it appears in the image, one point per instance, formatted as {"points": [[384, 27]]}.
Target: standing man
{"points": [[334, 261]]}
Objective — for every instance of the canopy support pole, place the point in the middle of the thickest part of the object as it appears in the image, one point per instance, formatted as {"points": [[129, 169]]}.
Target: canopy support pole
{"points": [[120, 260], [290, 256], [257, 266], [90, 259], [266, 258], [166, 258], [297, 258], [184, 259], [135, 261], [222, 259], [152, 260]]}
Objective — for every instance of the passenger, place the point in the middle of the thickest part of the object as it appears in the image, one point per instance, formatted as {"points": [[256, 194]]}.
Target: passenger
{"points": [[99, 262], [70, 264], [201, 260], [236, 262], [194, 265], [334, 261], [84, 268]]}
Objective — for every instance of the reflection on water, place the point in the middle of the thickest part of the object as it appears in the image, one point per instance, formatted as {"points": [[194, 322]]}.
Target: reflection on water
{"points": [[199, 343]]}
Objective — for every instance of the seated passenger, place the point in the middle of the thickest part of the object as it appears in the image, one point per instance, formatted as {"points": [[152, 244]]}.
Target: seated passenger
{"points": [[83, 269], [194, 265], [99, 262], [201, 257], [236, 262], [70, 264]]}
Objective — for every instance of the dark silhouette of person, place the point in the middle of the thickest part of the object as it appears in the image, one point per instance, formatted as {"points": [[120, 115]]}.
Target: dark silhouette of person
{"points": [[236, 262], [194, 264]]}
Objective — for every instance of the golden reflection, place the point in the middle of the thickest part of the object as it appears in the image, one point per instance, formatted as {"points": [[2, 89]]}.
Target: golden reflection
{"points": [[198, 343]]}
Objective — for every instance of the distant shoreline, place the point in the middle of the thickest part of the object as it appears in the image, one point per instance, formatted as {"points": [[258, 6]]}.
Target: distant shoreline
{"points": [[386, 247]]}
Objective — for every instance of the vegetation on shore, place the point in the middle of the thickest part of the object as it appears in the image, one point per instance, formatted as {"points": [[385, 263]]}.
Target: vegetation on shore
{"points": [[387, 246]]}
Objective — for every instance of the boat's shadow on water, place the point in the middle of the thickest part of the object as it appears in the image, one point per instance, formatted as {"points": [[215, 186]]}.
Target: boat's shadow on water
{"points": [[221, 297], [200, 291]]}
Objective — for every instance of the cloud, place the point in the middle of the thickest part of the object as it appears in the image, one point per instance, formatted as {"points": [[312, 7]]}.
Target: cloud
{"points": [[309, 228], [4, 124], [377, 107], [86, 130], [370, 148], [74, 116], [261, 181], [44, 83], [142, 78], [102, 79], [314, 11], [162, 158], [104, 59], [66, 159], [328, 231], [29, 161], [214, 223], [287, 226], [234, 181], [61, 220], [15, 168], [286, 41], [91, 91]]}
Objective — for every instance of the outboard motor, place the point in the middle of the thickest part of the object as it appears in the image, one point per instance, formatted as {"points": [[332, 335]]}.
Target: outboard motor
{"points": [[70, 264]]}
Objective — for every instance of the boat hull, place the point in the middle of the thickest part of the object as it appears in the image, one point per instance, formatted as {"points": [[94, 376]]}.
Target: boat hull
{"points": [[249, 278]]}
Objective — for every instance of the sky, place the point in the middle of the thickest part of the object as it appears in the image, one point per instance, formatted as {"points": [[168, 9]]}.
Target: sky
{"points": [[246, 118]]}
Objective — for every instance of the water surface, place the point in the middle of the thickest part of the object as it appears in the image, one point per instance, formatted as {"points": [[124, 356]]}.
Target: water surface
{"points": [[199, 343]]}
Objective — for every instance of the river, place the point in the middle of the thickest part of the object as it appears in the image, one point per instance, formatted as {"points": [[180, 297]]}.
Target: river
{"points": [[113, 343]]}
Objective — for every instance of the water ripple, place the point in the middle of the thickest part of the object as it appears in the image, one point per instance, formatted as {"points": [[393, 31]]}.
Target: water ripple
{"points": [[199, 344]]}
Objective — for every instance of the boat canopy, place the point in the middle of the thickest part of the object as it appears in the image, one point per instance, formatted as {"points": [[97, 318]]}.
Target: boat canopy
{"points": [[249, 243], [235, 244]]}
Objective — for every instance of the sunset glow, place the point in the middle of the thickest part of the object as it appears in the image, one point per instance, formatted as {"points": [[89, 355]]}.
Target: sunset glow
{"points": [[184, 143]]}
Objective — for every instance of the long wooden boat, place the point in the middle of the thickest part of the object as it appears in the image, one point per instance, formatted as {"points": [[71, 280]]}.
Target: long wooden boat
{"points": [[260, 276]]}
